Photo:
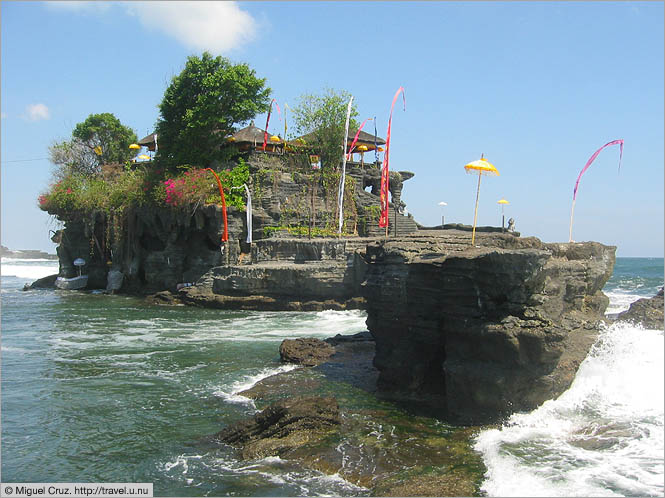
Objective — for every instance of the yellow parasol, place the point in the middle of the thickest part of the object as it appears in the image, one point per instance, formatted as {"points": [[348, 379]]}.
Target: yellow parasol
{"points": [[144, 157], [135, 146], [481, 167], [362, 148], [503, 203]]}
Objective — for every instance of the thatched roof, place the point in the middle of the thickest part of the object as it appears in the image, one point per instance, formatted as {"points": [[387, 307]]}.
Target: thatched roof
{"points": [[364, 138], [252, 135], [148, 141]]}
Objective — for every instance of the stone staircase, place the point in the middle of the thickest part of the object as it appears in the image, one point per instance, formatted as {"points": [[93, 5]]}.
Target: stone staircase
{"points": [[405, 225]]}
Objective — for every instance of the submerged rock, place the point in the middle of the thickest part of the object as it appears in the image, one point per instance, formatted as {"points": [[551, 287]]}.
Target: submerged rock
{"points": [[307, 351], [283, 427], [647, 312]]}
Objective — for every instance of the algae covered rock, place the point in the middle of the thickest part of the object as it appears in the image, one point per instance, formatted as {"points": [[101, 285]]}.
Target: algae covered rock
{"points": [[283, 427]]}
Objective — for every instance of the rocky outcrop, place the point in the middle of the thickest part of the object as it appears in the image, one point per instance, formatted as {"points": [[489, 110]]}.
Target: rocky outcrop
{"points": [[647, 312], [283, 427], [482, 332], [42, 283], [306, 351]]}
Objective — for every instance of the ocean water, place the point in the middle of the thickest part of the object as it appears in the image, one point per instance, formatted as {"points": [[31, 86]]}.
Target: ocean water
{"points": [[102, 388]]}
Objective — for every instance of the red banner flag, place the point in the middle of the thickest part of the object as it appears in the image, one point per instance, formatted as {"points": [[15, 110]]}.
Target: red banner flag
{"points": [[385, 177], [265, 133], [225, 233]]}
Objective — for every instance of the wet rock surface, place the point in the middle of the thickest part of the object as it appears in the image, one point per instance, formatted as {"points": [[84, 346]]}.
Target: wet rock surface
{"points": [[381, 446], [647, 312], [42, 283], [306, 351], [283, 427]]}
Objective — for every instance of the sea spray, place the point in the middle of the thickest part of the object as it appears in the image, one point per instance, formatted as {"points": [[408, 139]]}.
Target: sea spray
{"points": [[602, 437]]}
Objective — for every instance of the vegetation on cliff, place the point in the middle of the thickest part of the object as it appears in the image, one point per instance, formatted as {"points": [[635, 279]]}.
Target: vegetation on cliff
{"points": [[323, 117], [202, 105], [100, 139], [95, 174]]}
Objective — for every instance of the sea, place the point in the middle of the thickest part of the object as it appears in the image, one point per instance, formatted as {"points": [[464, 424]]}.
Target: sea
{"points": [[106, 388]]}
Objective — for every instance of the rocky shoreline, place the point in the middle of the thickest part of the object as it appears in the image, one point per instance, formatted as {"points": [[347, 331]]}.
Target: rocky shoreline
{"points": [[303, 420]]}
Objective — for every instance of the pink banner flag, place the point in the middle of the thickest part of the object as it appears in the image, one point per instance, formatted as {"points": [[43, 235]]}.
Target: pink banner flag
{"points": [[593, 158], [579, 177], [385, 177], [355, 139]]}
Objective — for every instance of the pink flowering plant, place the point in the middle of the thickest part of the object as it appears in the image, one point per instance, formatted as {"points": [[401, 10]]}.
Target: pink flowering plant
{"points": [[199, 186]]}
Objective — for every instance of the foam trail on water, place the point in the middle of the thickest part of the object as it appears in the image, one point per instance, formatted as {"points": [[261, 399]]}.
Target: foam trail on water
{"points": [[231, 395], [602, 437]]}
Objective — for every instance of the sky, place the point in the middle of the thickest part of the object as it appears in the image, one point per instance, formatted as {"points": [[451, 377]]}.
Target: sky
{"points": [[537, 87]]}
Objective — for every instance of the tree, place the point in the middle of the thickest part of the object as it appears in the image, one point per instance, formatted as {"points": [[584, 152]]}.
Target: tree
{"points": [[202, 105], [100, 139], [323, 117]]}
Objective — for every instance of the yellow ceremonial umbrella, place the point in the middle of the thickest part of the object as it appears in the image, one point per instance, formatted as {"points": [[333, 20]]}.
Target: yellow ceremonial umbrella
{"points": [[503, 203], [135, 146], [362, 149], [144, 157], [274, 138], [481, 167]]}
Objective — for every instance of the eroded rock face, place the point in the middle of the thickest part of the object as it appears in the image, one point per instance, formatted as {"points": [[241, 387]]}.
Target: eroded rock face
{"points": [[283, 427], [482, 332], [306, 351], [647, 312]]}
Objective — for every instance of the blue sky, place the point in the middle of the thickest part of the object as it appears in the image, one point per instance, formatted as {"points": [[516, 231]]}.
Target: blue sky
{"points": [[535, 86]]}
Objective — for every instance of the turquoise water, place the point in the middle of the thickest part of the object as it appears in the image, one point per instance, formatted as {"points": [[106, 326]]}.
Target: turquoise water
{"points": [[104, 388]]}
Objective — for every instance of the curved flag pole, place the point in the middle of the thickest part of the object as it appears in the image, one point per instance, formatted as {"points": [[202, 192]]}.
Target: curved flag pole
{"points": [[265, 132], [385, 177], [586, 166], [225, 234], [342, 179]]}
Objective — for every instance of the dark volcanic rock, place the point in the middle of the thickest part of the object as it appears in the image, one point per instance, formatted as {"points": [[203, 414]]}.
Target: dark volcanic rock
{"points": [[647, 311], [481, 332], [42, 283], [283, 427], [306, 351], [163, 298]]}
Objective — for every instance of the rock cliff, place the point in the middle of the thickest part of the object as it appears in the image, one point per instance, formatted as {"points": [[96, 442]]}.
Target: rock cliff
{"points": [[482, 332]]}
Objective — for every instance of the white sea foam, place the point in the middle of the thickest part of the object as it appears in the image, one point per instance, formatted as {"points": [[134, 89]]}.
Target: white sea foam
{"points": [[230, 393], [621, 300], [602, 437], [32, 272]]}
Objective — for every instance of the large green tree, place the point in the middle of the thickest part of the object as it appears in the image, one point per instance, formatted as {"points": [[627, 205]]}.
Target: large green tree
{"points": [[322, 118], [100, 139], [201, 107]]}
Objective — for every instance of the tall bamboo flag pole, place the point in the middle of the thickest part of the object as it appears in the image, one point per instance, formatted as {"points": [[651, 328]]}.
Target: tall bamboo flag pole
{"points": [[340, 196]]}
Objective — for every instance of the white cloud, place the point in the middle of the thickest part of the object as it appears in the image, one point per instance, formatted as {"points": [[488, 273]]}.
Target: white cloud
{"points": [[37, 112], [214, 26]]}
